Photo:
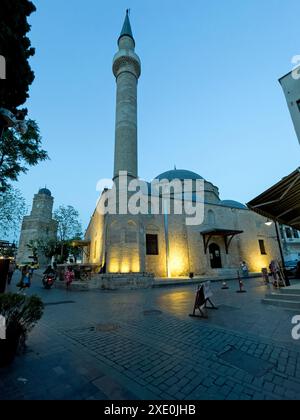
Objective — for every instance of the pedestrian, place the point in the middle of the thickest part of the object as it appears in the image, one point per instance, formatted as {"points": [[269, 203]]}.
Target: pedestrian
{"points": [[11, 270], [245, 269], [275, 270], [69, 277], [31, 272], [25, 278]]}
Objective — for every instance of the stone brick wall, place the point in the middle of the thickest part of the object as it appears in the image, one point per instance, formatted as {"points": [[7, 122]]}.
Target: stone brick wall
{"points": [[125, 243]]}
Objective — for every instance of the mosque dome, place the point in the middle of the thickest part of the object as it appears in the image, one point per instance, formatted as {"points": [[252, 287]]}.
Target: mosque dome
{"points": [[45, 191], [233, 204], [181, 174]]}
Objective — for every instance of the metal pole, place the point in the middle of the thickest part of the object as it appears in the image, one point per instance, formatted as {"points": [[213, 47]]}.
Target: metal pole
{"points": [[166, 223], [280, 245], [286, 279]]}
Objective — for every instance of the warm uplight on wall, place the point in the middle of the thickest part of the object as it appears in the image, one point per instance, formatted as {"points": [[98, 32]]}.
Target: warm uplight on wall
{"points": [[176, 264], [114, 267], [125, 266], [257, 262]]}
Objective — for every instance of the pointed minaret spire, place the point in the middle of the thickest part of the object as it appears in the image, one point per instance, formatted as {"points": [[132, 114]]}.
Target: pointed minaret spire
{"points": [[127, 70], [126, 30]]}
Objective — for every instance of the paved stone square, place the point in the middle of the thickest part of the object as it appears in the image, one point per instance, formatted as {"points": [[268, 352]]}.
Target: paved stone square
{"points": [[143, 345]]}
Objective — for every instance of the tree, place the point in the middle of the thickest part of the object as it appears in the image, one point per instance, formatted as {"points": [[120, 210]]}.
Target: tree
{"points": [[69, 226], [16, 48], [12, 211], [33, 246], [50, 248], [18, 152]]}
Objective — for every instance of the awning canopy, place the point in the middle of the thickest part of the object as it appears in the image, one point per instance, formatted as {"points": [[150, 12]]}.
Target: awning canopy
{"points": [[281, 202], [227, 234], [80, 244]]}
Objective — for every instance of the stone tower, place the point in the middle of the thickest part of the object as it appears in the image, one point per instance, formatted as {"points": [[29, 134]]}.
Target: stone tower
{"points": [[127, 70], [39, 226]]}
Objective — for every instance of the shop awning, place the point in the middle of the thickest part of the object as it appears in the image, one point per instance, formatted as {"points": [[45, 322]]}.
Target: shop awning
{"points": [[81, 244], [227, 234], [281, 202]]}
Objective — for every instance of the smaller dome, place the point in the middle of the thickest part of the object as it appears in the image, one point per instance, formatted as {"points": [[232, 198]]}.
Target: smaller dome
{"points": [[45, 191], [181, 174], [233, 204]]}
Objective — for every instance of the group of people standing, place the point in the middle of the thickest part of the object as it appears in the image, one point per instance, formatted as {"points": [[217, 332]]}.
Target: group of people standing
{"points": [[27, 272], [26, 275]]}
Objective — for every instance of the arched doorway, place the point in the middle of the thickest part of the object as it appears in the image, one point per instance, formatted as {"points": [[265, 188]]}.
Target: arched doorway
{"points": [[215, 256]]}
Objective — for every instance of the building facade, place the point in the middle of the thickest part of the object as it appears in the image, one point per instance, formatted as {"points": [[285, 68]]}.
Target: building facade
{"points": [[39, 226], [164, 244], [290, 243], [291, 88]]}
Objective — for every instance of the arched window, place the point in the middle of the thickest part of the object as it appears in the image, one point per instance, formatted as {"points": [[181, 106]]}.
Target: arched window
{"points": [[131, 232], [114, 233]]}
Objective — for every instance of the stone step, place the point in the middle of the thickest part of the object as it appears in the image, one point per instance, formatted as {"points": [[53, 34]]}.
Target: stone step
{"points": [[289, 291], [286, 304], [283, 296]]}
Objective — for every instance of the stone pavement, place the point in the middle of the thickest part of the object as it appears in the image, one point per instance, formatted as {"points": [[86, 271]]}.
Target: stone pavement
{"points": [[142, 345]]}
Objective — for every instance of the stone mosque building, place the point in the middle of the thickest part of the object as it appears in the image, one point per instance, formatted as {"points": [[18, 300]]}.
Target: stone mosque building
{"points": [[163, 244]]}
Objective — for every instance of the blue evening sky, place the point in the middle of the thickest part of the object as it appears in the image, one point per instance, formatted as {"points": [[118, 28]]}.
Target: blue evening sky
{"points": [[209, 97]]}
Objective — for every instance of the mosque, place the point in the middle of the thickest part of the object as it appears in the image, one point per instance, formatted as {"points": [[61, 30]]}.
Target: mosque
{"points": [[164, 244]]}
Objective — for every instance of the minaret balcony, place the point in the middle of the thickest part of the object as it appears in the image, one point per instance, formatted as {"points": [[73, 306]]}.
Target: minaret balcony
{"points": [[126, 61]]}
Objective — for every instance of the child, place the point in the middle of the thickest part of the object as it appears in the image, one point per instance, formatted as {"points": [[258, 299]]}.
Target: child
{"points": [[69, 277]]}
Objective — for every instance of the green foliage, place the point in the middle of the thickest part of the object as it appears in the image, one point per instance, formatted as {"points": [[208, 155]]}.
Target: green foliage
{"points": [[16, 48], [49, 248], [69, 229], [34, 247], [21, 312], [12, 210], [18, 152]]}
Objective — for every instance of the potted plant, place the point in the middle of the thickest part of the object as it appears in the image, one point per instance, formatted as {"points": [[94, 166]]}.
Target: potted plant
{"points": [[21, 314]]}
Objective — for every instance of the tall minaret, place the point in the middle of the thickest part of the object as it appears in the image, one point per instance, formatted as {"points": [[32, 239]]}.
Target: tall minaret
{"points": [[127, 70]]}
